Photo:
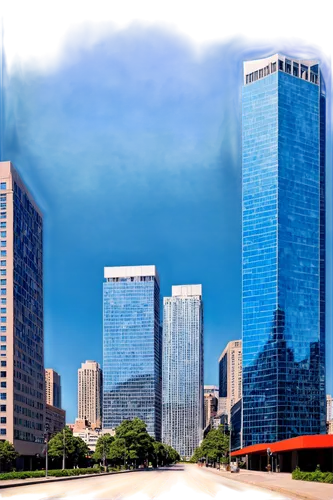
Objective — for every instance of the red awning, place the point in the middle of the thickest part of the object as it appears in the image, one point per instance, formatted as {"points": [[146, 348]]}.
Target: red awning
{"points": [[297, 443]]}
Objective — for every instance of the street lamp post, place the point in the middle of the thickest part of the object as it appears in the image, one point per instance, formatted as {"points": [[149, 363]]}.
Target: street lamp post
{"points": [[46, 440], [230, 431], [64, 450]]}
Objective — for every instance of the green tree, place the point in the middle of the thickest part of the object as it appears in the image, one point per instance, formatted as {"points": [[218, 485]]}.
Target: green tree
{"points": [[160, 453], [117, 451], [137, 441], [7, 456], [214, 446], [81, 451], [172, 455], [76, 449], [103, 446]]}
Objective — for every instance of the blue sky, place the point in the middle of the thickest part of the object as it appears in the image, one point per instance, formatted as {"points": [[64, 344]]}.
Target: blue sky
{"points": [[132, 148]]}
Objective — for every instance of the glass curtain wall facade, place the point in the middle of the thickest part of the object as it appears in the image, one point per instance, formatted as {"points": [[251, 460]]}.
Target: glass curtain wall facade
{"points": [[283, 136], [132, 385], [183, 404]]}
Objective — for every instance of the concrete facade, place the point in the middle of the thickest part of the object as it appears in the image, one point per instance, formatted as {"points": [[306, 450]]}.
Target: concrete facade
{"points": [[22, 334], [53, 387], [230, 377], [90, 393], [55, 418]]}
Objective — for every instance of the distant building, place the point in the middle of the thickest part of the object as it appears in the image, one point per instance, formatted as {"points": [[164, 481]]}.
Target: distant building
{"points": [[183, 369], [210, 406], [211, 389], [53, 387], [230, 377], [132, 347], [329, 407], [90, 436], [90, 393], [55, 418], [329, 413]]}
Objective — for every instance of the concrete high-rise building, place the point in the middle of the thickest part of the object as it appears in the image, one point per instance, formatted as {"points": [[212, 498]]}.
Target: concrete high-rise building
{"points": [[22, 390], [183, 405], [283, 148], [329, 407], [230, 377], [90, 393], [53, 388], [210, 407], [132, 347], [211, 389]]}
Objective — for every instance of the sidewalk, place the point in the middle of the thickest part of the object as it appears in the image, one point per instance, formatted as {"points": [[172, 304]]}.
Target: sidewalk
{"points": [[281, 482], [11, 483]]}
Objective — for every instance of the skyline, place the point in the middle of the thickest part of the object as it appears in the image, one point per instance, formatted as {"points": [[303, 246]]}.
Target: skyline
{"points": [[201, 167]]}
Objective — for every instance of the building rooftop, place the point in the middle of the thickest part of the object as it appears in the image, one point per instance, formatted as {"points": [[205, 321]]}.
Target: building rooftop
{"points": [[187, 290], [305, 69], [130, 272]]}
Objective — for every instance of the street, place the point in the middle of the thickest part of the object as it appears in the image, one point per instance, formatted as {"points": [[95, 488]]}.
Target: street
{"points": [[183, 481]]}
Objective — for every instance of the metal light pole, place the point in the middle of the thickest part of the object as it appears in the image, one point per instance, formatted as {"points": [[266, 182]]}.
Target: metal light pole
{"points": [[46, 440], [230, 430], [64, 450]]}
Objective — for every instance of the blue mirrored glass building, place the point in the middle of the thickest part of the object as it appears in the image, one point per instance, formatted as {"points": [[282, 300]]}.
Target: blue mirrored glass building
{"points": [[132, 377], [283, 304]]}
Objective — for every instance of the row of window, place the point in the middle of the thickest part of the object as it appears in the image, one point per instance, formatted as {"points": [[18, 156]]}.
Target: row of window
{"points": [[3, 291]]}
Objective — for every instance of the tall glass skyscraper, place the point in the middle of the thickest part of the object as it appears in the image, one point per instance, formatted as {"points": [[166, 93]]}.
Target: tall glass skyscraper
{"points": [[183, 406], [132, 385], [283, 136]]}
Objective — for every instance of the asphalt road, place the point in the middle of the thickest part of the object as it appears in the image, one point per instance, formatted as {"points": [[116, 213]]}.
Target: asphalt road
{"points": [[181, 482]]}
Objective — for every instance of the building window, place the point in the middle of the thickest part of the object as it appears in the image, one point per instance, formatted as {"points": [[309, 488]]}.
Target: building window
{"points": [[3, 234], [3, 206], [3, 338], [3, 374], [3, 363], [295, 69], [3, 420], [3, 310], [3, 272], [3, 395], [280, 65], [3, 282], [288, 66], [3, 215], [3, 262], [3, 243], [3, 291], [3, 328], [3, 301], [3, 224], [3, 253], [3, 185], [3, 385], [3, 319], [3, 348], [3, 408], [3, 432]]}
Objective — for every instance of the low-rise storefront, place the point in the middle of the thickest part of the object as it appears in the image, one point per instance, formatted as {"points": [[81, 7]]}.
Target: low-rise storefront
{"points": [[306, 452]]}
